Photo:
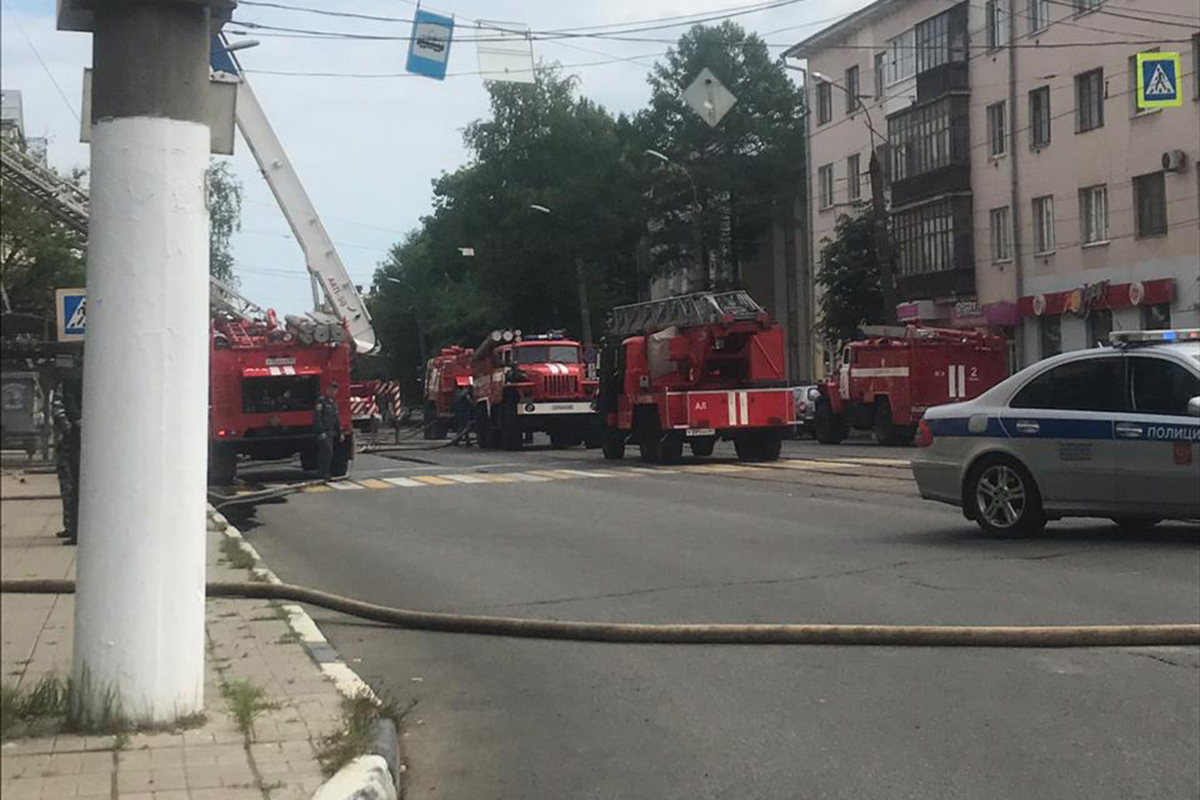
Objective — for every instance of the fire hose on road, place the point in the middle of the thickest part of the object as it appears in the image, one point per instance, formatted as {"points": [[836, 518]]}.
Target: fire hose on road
{"points": [[1024, 636]]}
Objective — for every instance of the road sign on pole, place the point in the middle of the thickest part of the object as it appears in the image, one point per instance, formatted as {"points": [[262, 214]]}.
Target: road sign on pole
{"points": [[70, 308], [429, 50], [1159, 80], [709, 98]]}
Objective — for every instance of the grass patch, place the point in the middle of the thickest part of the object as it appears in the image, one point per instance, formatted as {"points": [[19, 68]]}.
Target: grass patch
{"points": [[233, 553], [246, 702], [21, 708], [353, 738]]}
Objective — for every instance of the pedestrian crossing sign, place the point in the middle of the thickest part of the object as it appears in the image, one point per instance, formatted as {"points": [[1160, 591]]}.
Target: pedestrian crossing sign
{"points": [[1159, 80], [71, 310]]}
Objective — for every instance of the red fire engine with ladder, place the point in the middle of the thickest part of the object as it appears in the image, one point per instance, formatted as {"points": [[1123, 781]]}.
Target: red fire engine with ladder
{"points": [[266, 377], [695, 369], [886, 382]]}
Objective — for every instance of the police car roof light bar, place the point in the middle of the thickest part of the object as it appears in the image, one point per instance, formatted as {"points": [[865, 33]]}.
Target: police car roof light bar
{"points": [[1128, 338]]}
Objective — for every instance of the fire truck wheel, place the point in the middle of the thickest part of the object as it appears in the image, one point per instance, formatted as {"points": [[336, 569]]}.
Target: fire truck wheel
{"points": [[828, 428], [759, 446], [222, 466], [308, 458], [649, 435], [614, 445], [343, 453], [1003, 497], [431, 422], [510, 429], [672, 448], [484, 433], [886, 431], [702, 447]]}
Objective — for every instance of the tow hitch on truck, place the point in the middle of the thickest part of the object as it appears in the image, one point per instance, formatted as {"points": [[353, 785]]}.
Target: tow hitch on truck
{"points": [[693, 370]]}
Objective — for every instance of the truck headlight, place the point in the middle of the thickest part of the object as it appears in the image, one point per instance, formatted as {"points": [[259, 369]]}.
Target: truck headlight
{"points": [[529, 407], [814, 394]]}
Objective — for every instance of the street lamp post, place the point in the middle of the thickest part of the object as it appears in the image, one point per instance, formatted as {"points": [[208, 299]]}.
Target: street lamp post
{"points": [[697, 232], [883, 242], [585, 313]]}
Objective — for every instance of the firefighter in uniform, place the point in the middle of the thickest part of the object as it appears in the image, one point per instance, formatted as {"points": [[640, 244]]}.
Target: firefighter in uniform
{"points": [[328, 427], [463, 405], [66, 409]]}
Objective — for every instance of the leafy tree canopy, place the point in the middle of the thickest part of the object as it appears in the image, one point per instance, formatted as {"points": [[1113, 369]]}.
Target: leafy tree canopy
{"points": [[848, 275]]}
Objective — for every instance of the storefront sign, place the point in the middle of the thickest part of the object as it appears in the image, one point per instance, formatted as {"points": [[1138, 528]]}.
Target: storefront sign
{"points": [[1099, 295]]}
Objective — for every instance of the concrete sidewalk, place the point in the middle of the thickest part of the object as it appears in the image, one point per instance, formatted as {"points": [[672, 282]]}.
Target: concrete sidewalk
{"points": [[248, 641]]}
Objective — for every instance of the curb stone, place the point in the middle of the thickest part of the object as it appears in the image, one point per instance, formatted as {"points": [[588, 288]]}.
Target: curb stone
{"points": [[374, 776]]}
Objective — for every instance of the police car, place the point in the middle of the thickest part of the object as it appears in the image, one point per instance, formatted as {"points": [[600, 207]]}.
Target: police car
{"points": [[1110, 432]]}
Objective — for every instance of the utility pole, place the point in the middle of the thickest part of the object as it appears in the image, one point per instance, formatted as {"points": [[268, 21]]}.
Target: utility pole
{"points": [[585, 313], [883, 239], [139, 609]]}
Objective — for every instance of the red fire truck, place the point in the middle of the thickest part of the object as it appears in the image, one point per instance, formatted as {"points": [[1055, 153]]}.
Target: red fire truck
{"points": [[527, 383], [886, 382], [373, 402], [445, 374], [695, 369], [263, 389]]}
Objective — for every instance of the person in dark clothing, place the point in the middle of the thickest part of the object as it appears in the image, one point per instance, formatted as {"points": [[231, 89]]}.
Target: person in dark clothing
{"points": [[463, 405], [66, 409], [328, 427]]}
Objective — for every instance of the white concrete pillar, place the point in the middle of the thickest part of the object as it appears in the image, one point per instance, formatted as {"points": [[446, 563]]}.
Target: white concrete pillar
{"points": [[139, 621]]}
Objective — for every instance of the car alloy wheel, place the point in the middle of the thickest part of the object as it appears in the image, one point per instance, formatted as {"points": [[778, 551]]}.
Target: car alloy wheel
{"points": [[1001, 496]]}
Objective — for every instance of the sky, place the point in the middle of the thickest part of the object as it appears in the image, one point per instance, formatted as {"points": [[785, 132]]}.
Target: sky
{"points": [[366, 149]]}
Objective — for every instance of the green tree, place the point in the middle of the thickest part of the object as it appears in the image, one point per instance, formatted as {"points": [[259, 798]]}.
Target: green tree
{"points": [[38, 254], [541, 145], [225, 218], [849, 277], [742, 168]]}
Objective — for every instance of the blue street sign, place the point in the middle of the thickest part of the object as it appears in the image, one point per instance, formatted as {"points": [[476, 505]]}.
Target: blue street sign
{"points": [[429, 50], [70, 307], [1159, 82]]}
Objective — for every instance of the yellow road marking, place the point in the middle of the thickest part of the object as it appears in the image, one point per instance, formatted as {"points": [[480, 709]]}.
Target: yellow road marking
{"points": [[434, 480], [551, 473], [320, 487], [497, 478], [375, 483]]}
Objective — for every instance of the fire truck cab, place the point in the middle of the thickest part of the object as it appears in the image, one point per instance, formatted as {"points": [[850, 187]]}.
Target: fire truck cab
{"points": [[886, 382], [693, 370], [525, 383]]}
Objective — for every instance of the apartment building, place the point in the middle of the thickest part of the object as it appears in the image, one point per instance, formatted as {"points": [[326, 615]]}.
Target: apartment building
{"points": [[1027, 192]]}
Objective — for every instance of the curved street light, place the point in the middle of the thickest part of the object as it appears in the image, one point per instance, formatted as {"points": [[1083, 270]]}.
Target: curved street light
{"points": [[697, 234]]}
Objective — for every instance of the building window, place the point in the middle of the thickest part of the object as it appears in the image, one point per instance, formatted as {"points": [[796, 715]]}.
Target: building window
{"points": [[825, 186], [851, 84], [1050, 336], [1089, 100], [1001, 232], [880, 74], [933, 42], [1043, 224], [824, 102], [920, 140], [902, 58], [1150, 200], [1093, 214], [1039, 15], [997, 130], [1039, 117], [1099, 326], [853, 186], [924, 239], [993, 13], [1083, 6], [1156, 317]]}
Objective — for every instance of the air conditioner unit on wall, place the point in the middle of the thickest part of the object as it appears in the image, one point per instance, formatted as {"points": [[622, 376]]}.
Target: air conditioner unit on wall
{"points": [[1174, 161]]}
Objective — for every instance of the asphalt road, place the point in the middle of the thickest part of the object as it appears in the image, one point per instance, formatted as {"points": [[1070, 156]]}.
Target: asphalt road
{"points": [[846, 541]]}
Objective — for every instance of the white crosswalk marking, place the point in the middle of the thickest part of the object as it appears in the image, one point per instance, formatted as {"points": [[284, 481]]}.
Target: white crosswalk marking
{"points": [[346, 485], [406, 482], [465, 478], [524, 476]]}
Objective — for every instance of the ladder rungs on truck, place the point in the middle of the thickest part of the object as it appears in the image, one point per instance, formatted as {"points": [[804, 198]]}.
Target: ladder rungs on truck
{"points": [[689, 310]]}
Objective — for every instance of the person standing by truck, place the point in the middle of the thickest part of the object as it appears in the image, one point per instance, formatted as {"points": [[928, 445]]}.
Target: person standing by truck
{"points": [[66, 409], [328, 427]]}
